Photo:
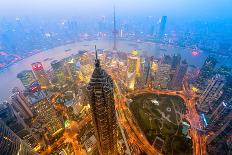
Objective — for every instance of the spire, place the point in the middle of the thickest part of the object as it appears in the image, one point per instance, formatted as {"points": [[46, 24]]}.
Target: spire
{"points": [[97, 62]]}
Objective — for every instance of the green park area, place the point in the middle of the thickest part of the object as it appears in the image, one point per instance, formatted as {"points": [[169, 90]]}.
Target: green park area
{"points": [[160, 118]]}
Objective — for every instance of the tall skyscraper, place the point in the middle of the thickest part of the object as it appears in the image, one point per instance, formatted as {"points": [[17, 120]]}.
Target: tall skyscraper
{"points": [[101, 96], [217, 143], [58, 71], [175, 61], [11, 144], [206, 73], [162, 76], [147, 70], [177, 80], [162, 26], [133, 70], [21, 104], [27, 77], [40, 74], [220, 116], [17, 124], [71, 68], [212, 93]]}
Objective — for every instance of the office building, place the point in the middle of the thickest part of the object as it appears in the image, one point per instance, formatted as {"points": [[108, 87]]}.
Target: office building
{"points": [[206, 73], [41, 75], [217, 143], [220, 116], [11, 144], [147, 70], [72, 67], [34, 93], [154, 67], [162, 26], [176, 83], [91, 145], [162, 76], [212, 93], [47, 115], [58, 72], [27, 77], [101, 97], [176, 60], [21, 104], [133, 70], [17, 124]]}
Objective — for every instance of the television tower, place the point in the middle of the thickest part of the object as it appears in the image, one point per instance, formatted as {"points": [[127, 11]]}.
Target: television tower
{"points": [[114, 32]]}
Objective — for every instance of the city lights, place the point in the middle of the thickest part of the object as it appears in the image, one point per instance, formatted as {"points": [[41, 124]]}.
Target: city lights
{"points": [[115, 78]]}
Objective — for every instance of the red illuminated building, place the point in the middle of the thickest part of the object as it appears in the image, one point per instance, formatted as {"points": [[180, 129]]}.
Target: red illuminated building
{"points": [[40, 74]]}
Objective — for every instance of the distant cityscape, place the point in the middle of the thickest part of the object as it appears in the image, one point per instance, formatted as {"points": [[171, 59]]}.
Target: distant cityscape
{"points": [[23, 37], [112, 102]]}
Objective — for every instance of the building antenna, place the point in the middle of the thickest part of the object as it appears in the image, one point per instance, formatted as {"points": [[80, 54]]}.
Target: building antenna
{"points": [[97, 62], [96, 52]]}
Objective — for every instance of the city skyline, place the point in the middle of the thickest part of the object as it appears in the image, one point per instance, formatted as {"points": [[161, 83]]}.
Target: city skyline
{"points": [[116, 77]]}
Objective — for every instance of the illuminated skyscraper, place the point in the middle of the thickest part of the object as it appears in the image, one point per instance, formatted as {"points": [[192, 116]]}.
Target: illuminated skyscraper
{"points": [[217, 142], [212, 93], [162, 26], [133, 69], [162, 76], [101, 98], [175, 61], [147, 70], [40, 74], [176, 82], [21, 104], [206, 73], [17, 124], [27, 77], [154, 67], [220, 116], [58, 70], [11, 144], [47, 115], [71, 68]]}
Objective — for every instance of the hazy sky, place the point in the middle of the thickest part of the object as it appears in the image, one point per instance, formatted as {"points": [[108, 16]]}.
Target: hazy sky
{"points": [[207, 8]]}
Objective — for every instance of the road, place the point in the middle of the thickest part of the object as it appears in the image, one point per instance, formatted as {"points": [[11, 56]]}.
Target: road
{"points": [[128, 122], [199, 141], [136, 135]]}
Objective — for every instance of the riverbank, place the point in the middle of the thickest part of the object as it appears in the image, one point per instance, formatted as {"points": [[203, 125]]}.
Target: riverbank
{"points": [[8, 76]]}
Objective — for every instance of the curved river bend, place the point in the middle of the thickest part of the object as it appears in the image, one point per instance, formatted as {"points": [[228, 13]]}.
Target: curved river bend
{"points": [[8, 78]]}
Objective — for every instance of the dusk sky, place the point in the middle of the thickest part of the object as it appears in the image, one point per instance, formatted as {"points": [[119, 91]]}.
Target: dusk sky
{"points": [[192, 8]]}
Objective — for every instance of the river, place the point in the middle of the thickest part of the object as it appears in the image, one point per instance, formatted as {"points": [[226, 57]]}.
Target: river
{"points": [[8, 78]]}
